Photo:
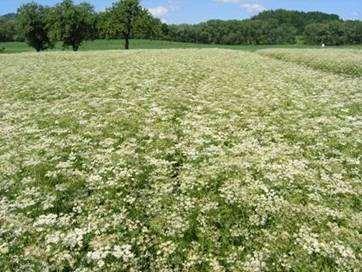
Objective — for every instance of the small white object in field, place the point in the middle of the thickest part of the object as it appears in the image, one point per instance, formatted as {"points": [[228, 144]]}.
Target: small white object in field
{"points": [[323, 45]]}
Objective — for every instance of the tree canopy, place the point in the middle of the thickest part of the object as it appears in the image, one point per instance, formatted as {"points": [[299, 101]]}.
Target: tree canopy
{"points": [[72, 24], [272, 27], [33, 22], [123, 16], [8, 31]]}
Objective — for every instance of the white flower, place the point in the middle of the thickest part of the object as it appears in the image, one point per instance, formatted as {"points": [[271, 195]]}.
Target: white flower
{"points": [[4, 249], [45, 219], [123, 252]]}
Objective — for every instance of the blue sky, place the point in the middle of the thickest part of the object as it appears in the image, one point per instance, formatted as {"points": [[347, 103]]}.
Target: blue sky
{"points": [[193, 11]]}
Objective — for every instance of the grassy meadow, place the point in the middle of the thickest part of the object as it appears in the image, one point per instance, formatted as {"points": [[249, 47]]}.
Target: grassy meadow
{"points": [[18, 47], [180, 160]]}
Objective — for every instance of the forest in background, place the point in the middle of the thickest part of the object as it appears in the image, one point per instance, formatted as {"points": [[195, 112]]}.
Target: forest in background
{"points": [[268, 27]]}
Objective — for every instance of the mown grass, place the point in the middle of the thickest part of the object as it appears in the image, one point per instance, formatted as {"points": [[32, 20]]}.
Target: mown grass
{"points": [[177, 160], [347, 61], [17, 47]]}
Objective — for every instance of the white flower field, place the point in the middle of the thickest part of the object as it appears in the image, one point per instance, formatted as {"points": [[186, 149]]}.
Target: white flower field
{"points": [[180, 160], [339, 61]]}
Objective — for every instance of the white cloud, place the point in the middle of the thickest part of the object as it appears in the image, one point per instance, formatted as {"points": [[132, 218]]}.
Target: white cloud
{"points": [[252, 8], [356, 15], [159, 11], [162, 11]]}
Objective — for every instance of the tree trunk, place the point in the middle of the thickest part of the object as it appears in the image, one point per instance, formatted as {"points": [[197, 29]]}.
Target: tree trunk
{"points": [[75, 47], [38, 46], [126, 44]]}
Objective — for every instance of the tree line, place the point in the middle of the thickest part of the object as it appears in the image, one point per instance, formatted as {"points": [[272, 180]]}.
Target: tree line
{"points": [[71, 23], [272, 27]]}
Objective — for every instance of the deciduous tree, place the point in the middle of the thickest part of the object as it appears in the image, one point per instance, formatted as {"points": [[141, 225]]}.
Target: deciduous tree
{"points": [[73, 24], [123, 16], [32, 19]]}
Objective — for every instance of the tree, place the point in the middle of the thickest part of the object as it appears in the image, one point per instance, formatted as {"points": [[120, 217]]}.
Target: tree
{"points": [[334, 33], [104, 26], [297, 19], [32, 20], [7, 30], [146, 26], [123, 15], [73, 24]]}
